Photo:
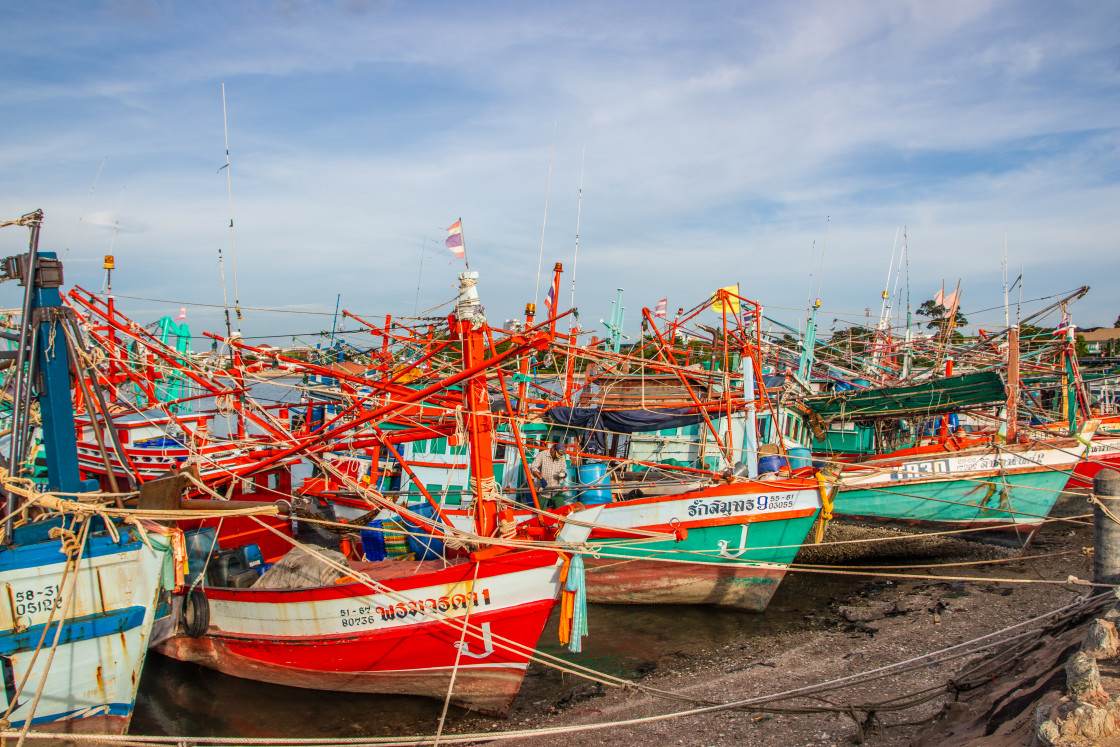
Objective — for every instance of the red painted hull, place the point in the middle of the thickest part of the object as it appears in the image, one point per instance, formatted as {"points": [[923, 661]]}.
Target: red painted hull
{"points": [[393, 664], [1086, 470], [403, 639]]}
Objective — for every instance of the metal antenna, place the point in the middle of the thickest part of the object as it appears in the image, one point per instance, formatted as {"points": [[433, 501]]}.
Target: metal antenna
{"points": [[85, 207], [824, 248], [232, 240], [113, 240], [575, 259], [547, 187], [416, 303]]}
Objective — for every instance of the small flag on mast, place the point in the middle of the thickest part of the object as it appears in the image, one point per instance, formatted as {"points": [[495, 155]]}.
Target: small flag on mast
{"points": [[1066, 328], [662, 305], [726, 297], [550, 300], [182, 314], [454, 240]]}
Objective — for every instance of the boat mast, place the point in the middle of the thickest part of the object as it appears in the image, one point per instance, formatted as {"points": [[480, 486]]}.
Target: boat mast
{"points": [[42, 366], [470, 328], [809, 339], [618, 312], [225, 301], [1007, 308], [883, 329], [906, 355]]}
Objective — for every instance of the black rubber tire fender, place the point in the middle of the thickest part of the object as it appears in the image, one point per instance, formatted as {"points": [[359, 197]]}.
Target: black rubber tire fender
{"points": [[195, 613]]}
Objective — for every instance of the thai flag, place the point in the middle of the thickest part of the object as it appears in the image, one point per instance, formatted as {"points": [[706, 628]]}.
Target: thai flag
{"points": [[662, 305], [454, 240], [550, 300]]}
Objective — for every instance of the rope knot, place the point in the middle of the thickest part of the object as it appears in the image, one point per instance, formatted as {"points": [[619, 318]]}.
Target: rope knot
{"points": [[69, 539]]}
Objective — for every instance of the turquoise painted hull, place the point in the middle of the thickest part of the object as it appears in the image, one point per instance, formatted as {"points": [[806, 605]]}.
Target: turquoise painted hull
{"points": [[770, 542], [1007, 509], [653, 573]]}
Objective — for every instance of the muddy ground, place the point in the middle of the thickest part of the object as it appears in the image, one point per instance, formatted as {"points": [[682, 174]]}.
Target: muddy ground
{"points": [[878, 622]]}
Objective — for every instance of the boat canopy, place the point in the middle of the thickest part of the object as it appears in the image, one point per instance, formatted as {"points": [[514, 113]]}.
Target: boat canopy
{"points": [[942, 395], [594, 422]]}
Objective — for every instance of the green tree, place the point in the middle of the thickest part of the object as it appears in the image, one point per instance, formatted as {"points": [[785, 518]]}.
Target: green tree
{"points": [[936, 313], [853, 340], [938, 320]]}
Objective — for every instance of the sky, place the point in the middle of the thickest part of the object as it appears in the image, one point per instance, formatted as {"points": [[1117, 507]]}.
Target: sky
{"points": [[791, 147]]}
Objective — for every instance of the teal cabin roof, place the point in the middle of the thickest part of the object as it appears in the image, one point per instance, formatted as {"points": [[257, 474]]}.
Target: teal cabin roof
{"points": [[948, 394]]}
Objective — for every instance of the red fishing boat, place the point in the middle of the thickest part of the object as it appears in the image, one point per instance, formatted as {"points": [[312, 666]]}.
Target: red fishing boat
{"points": [[462, 625]]}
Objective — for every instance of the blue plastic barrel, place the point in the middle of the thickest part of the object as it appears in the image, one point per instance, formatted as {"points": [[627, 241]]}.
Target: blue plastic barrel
{"points": [[799, 457], [593, 473], [251, 554], [771, 463]]}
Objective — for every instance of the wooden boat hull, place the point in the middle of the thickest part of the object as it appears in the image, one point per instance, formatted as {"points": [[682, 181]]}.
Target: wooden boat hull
{"points": [[1002, 496], [91, 683], [403, 640], [738, 541], [745, 587]]}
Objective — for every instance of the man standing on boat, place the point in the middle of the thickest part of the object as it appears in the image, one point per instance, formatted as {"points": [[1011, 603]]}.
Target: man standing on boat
{"points": [[549, 469]]}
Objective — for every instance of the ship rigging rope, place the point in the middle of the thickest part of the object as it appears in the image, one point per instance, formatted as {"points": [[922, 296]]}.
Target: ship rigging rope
{"points": [[1005, 641], [602, 550], [499, 641], [420, 316], [535, 655], [458, 657], [25, 220], [979, 480]]}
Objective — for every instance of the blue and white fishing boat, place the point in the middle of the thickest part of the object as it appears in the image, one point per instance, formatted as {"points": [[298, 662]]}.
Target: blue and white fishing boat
{"points": [[78, 590]]}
